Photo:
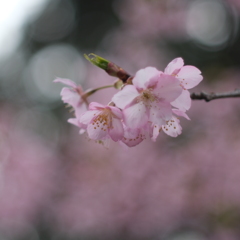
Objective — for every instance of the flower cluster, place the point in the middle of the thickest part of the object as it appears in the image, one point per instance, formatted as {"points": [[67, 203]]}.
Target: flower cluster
{"points": [[147, 103]]}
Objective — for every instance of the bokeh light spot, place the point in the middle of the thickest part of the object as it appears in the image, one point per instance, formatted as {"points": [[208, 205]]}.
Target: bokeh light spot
{"points": [[54, 61], [207, 23]]}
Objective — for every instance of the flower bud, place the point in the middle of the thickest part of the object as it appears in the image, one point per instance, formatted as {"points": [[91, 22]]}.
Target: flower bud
{"points": [[111, 68], [97, 60]]}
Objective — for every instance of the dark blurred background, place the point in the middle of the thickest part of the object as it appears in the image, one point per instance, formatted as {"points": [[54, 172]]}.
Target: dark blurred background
{"points": [[55, 184]]}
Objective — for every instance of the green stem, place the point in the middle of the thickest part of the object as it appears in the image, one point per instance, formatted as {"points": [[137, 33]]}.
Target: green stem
{"points": [[96, 89]]}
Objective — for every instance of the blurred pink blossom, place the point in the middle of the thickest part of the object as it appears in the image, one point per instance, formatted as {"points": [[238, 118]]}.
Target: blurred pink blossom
{"points": [[151, 19], [27, 175]]}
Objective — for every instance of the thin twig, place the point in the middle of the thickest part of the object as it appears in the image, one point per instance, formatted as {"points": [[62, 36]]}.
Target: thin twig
{"points": [[100, 88], [211, 96]]}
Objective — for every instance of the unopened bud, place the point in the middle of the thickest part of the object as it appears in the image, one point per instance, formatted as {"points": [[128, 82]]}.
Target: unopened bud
{"points": [[97, 60], [111, 68]]}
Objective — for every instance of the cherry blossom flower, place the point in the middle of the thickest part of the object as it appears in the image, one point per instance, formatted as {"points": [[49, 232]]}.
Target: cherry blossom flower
{"points": [[73, 96], [172, 126], [132, 137], [102, 122], [143, 106], [148, 99], [189, 77]]}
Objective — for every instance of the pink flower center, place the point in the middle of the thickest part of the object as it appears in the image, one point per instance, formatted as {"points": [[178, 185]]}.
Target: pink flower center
{"points": [[103, 120], [147, 98]]}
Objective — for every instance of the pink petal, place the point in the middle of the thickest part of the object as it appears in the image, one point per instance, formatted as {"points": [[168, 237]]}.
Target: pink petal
{"points": [[174, 66], [88, 116], [153, 81], [116, 131], [76, 122], [190, 76], [180, 113], [116, 112], [81, 131], [168, 88], [132, 137], [70, 96], [66, 81], [73, 121], [96, 106], [125, 96], [173, 127], [97, 131], [143, 76], [183, 102], [155, 132], [80, 109], [135, 116], [160, 112]]}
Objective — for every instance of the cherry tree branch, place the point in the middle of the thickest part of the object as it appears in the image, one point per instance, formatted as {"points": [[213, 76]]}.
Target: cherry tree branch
{"points": [[211, 96]]}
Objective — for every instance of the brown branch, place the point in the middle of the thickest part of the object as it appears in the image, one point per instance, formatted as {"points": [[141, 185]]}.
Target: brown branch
{"points": [[211, 96]]}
